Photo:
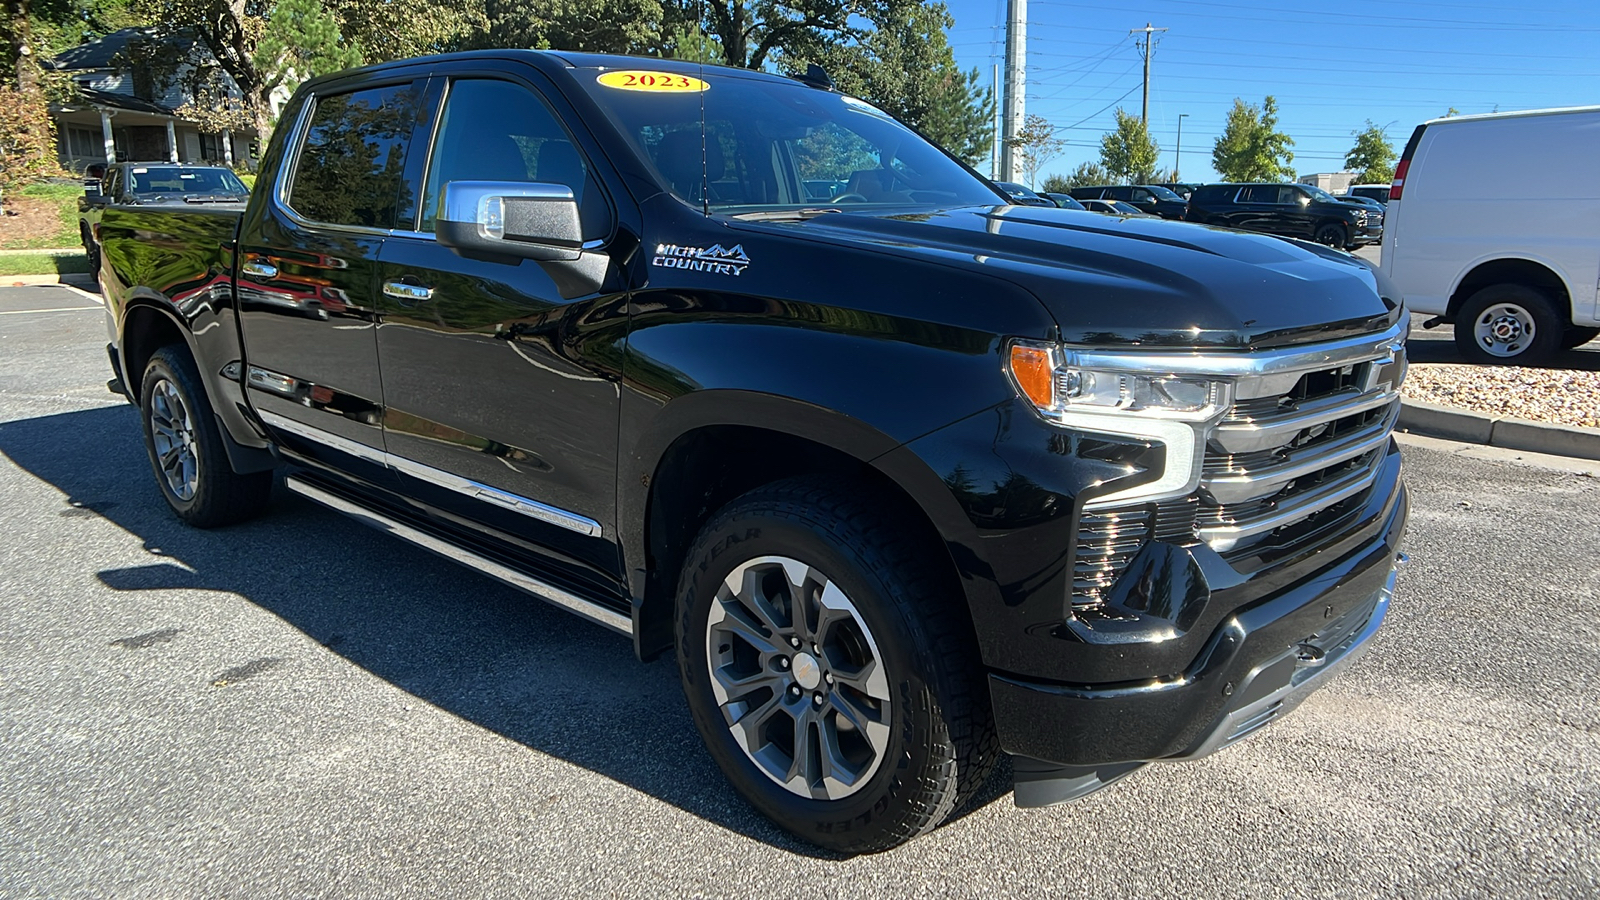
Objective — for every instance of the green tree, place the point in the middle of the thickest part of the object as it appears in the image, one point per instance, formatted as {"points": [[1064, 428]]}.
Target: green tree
{"points": [[1250, 147], [1039, 143], [302, 40], [1086, 174], [751, 31], [906, 68], [1373, 156], [397, 29], [597, 26], [1127, 152]]}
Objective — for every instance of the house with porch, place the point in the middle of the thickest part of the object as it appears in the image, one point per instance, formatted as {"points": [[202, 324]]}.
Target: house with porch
{"points": [[125, 112]]}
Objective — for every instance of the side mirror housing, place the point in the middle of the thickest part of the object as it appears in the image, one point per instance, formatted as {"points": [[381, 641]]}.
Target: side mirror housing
{"points": [[516, 220]]}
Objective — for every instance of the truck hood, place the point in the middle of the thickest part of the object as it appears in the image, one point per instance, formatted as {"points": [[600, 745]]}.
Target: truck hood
{"points": [[1142, 281]]}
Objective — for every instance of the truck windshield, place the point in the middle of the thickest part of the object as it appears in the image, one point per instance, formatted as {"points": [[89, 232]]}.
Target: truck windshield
{"points": [[152, 180], [772, 146]]}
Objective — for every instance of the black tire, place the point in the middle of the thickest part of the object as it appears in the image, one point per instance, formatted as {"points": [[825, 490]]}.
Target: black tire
{"points": [[940, 744], [1577, 337], [1524, 312], [1332, 234], [218, 495]]}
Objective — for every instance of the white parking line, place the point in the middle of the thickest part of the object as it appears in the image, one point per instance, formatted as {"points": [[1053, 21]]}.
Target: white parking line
{"points": [[22, 312], [92, 298]]}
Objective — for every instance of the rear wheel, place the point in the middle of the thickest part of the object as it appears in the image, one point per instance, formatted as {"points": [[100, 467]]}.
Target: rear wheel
{"points": [[1332, 234], [185, 446], [832, 674], [1508, 324]]}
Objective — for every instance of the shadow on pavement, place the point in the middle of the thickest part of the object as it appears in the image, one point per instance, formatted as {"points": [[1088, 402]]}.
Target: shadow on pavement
{"points": [[468, 645], [1438, 346]]}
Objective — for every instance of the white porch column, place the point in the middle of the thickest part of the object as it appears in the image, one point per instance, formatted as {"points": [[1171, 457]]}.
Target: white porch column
{"points": [[172, 142], [227, 147], [105, 131]]}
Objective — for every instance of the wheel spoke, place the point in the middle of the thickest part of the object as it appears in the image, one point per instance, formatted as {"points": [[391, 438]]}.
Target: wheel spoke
{"points": [[744, 586], [800, 778], [868, 679], [750, 720]]}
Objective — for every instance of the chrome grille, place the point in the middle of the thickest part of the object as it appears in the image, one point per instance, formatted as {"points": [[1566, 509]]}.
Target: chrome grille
{"points": [[1287, 451], [1297, 442]]}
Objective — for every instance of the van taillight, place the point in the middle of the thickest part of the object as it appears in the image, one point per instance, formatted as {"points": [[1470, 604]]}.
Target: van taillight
{"points": [[1405, 162], [1399, 179]]}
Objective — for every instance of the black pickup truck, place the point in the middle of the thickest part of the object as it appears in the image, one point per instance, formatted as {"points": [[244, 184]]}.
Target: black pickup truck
{"points": [[906, 477], [153, 184]]}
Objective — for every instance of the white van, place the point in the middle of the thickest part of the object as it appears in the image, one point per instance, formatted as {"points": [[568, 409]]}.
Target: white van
{"points": [[1494, 225]]}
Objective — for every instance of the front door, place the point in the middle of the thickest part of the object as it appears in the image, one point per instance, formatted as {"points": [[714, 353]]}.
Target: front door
{"points": [[501, 389]]}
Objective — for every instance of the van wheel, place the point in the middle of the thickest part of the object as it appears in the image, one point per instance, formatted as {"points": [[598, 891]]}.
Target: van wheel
{"points": [[1508, 324], [1577, 337], [832, 674], [184, 443], [1332, 234]]}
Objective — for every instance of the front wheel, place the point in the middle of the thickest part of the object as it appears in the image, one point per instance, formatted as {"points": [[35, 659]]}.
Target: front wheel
{"points": [[832, 674], [1508, 324], [185, 446], [1332, 234]]}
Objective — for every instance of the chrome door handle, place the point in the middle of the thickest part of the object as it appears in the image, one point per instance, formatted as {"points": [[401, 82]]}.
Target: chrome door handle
{"points": [[411, 293], [259, 269]]}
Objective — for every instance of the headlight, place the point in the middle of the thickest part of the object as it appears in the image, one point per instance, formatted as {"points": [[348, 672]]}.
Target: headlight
{"points": [[1173, 410]]}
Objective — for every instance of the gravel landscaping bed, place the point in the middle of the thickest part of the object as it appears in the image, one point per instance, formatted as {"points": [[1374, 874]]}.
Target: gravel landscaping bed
{"points": [[1555, 396]]}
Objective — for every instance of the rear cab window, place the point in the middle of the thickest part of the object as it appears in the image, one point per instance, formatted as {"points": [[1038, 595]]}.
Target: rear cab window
{"points": [[350, 167]]}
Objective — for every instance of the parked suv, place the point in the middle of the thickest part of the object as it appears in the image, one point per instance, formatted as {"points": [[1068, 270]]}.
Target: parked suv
{"points": [[1292, 210], [1148, 198], [1378, 192]]}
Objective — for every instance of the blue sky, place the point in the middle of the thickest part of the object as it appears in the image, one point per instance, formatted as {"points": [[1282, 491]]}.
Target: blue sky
{"points": [[1397, 64]]}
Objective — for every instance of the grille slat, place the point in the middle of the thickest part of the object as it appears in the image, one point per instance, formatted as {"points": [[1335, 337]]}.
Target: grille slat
{"points": [[1295, 445]]}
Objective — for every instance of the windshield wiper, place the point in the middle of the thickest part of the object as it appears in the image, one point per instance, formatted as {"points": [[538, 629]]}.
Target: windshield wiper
{"points": [[782, 215]]}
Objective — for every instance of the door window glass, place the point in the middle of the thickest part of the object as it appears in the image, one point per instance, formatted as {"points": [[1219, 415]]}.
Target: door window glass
{"points": [[353, 159], [499, 131]]}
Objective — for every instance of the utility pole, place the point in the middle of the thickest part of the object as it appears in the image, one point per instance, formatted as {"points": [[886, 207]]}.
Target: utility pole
{"points": [[1177, 155], [1149, 31], [1016, 76], [994, 149]]}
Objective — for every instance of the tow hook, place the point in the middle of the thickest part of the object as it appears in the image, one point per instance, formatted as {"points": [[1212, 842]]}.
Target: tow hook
{"points": [[1434, 322]]}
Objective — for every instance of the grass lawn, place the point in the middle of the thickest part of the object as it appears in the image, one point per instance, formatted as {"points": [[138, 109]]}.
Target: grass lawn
{"points": [[42, 263], [48, 217]]}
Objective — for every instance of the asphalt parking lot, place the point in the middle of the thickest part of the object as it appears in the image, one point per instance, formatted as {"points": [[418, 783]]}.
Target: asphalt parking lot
{"points": [[303, 707]]}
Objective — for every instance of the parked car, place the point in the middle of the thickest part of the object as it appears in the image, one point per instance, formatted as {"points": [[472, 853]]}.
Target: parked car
{"points": [[903, 485], [1064, 201], [1292, 210], [1378, 192], [1022, 196], [1113, 207], [1518, 284], [1147, 197], [151, 183], [1181, 188]]}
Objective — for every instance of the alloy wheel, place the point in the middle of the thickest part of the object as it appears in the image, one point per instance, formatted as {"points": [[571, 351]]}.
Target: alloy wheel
{"points": [[798, 677], [172, 431]]}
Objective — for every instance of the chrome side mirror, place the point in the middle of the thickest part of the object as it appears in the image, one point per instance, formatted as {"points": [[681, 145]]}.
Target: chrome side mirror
{"points": [[510, 219]]}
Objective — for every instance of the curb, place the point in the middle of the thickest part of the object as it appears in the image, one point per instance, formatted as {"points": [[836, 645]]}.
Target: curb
{"points": [[76, 279], [1511, 434]]}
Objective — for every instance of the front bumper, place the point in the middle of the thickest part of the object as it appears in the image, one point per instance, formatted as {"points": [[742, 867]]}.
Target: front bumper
{"points": [[1257, 666]]}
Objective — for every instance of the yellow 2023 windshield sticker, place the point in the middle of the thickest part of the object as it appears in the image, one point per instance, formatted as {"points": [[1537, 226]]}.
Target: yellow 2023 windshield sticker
{"points": [[654, 82]]}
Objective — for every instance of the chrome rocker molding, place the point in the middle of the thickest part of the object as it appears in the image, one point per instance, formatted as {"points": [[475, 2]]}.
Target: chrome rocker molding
{"points": [[570, 602], [530, 508]]}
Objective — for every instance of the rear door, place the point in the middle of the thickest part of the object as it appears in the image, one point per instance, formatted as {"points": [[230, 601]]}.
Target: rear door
{"points": [[500, 376], [308, 260]]}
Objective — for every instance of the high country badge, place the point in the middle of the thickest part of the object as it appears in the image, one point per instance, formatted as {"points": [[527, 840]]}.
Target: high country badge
{"points": [[713, 259]]}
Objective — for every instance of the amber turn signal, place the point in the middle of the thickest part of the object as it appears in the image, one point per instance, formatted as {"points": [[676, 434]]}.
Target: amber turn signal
{"points": [[1035, 374]]}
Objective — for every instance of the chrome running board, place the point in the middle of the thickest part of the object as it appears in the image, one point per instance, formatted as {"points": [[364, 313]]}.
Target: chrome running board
{"points": [[549, 593]]}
